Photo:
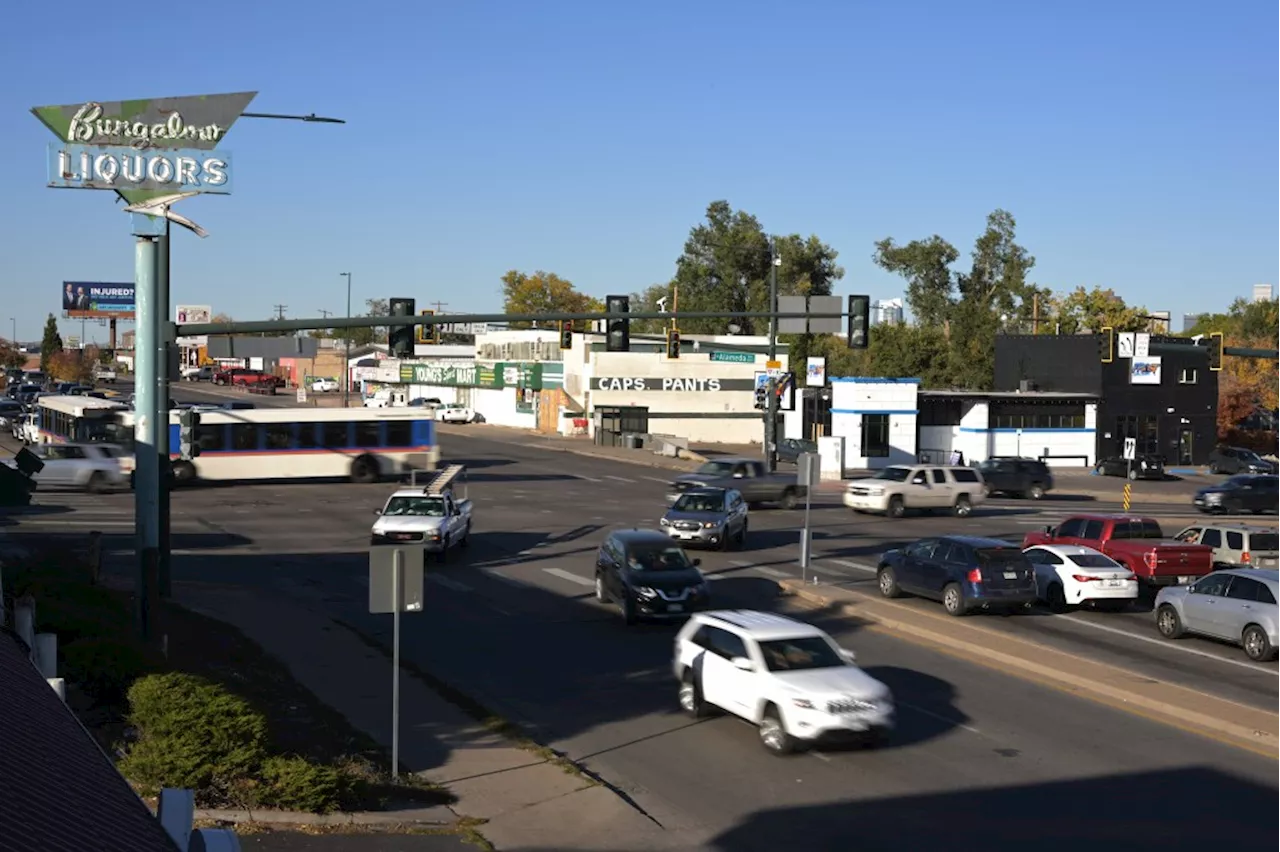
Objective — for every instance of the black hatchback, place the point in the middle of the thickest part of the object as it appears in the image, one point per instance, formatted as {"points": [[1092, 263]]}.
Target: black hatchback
{"points": [[1021, 477], [649, 576]]}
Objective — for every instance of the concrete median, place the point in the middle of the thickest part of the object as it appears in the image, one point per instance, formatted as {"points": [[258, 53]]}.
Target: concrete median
{"points": [[1252, 729]]}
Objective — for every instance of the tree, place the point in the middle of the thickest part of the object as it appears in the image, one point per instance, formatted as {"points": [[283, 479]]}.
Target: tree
{"points": [[1091, 310], [542, 293], [1245, 385], [725, 266], [70, 366], [10, 357], [50, 344]]}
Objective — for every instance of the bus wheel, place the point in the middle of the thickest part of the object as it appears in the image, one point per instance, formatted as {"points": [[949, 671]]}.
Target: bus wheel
{"points": [[364, 469], [184, 472]]}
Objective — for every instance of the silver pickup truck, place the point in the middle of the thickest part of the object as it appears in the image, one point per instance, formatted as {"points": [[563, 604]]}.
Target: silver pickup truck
{"points": [[432, 516], [747, 476]]}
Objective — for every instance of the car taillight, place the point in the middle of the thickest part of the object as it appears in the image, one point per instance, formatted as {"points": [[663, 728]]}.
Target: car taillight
{"points": [[974, 576], [1244, 557], [1082, 578], [1150, 558]]}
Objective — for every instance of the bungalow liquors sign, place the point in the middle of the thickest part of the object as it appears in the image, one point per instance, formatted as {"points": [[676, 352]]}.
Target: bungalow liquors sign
{"points": [[143, 149]]}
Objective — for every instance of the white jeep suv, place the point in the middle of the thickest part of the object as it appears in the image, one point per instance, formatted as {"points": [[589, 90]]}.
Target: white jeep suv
{"points": [[788, 678]]}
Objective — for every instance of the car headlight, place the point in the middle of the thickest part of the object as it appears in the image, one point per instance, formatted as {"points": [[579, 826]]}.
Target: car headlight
{"points": [[1213, 497], [646, 592], [710, 525], [664, 522]]}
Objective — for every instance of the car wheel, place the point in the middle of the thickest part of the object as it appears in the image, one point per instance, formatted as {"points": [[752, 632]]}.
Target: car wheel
{"points": [[788, 499], [1168, 622], [1035, 492], [1056, 598], [963, 507], [601, 595], [896, 507], [986, 489], [691, 697], [773, 736], [742, 538], [184, 472], [364, 470], [726, 540], [1133, 476], [1257, 646], [465, 541], [953, 600], [888, 582], [97, 483], [627, 608], [1213, 468]]}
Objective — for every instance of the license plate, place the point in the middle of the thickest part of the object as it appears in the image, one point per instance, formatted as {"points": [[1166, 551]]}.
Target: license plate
{"points": [[675, 608], [1011, 575], [1182, 580], [1114, 584]]}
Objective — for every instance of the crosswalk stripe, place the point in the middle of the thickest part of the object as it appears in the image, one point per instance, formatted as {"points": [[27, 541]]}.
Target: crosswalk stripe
{"points": [[448, 583], [568, 575], [774, 572]]}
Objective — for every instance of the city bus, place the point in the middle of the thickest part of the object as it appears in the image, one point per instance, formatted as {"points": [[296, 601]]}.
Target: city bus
{"points": [[77, 419], [362, 444]]}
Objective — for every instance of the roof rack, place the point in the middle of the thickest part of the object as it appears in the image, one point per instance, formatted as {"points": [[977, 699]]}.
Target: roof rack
{"points": [[444, 480]]}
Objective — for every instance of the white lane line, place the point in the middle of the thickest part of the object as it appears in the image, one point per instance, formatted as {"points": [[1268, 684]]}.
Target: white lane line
{"points": [[568, 575], [656, 479], [619, 478], [741, 563], [857, 566], [448, 583], [1164, 643], [820, 756], [775, 572], [587, 478]]}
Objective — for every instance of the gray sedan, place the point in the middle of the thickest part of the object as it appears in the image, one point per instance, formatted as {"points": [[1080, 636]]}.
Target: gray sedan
{"points": [[1237, 605], [710, 517]]}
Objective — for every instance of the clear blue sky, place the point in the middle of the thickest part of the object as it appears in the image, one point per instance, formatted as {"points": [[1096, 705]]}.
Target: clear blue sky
{"points": [[1135, 142]]}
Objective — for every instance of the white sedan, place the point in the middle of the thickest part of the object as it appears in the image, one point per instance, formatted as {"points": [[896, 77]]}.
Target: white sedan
{"points": [[454, 413], [1069, 575], [324, 386]]}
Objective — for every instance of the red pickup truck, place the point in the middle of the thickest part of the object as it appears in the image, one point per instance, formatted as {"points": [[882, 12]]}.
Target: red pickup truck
{"points": [[243, 377], [1136, 543]]}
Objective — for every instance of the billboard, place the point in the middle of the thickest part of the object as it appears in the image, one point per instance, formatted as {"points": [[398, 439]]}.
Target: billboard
{"points": [[194, 314], [1145, 371], [96, 299]]}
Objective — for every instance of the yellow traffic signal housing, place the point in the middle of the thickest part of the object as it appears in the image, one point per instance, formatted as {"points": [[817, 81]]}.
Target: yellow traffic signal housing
{"points": [[428, 334], [673, 343], [1215, 351], [1106, 344]]}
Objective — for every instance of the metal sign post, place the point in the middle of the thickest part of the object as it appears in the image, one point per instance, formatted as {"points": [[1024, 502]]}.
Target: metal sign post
{"points": [[396, 586], [1130, 454], [808, 474]]}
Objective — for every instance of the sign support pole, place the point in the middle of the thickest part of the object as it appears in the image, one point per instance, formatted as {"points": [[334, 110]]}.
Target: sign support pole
{"points": [[150, 414], [398, 583], [164, 579], [771, 403]]}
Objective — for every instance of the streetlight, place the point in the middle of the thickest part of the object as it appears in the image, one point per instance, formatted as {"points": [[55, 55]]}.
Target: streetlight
{"points": [[346, 370], [14, 320]]}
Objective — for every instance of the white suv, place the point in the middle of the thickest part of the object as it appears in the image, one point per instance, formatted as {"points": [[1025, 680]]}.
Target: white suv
{"points": [[898, 488], [786, 677]]}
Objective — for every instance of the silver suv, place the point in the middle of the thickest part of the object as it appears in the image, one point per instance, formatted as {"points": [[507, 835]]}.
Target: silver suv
{"points": [[1236, 545]]}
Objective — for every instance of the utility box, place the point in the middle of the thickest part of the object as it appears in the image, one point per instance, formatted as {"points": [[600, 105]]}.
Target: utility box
{"points": [[831, 452]]}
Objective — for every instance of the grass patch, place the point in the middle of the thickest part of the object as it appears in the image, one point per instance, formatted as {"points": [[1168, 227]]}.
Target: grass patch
{"points": [[491, 721], [466, 828], [211, 710]]}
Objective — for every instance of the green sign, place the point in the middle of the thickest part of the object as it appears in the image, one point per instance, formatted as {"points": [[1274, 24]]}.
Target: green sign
{"points": [[452, 375], [734, 357]]}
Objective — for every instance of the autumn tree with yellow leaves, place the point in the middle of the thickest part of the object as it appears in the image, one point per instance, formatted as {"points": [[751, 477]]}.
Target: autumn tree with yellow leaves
{"points": [[1245, 385]]}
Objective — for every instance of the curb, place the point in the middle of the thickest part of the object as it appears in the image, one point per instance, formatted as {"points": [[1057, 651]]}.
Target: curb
{"points": [[274, 817], [1251, 739]]}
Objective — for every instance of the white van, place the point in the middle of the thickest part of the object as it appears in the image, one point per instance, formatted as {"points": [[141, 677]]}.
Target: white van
{"points": [[387, 398]]}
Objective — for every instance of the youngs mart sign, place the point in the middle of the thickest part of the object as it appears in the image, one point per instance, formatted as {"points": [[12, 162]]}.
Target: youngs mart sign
{"points": [[143, 149]]}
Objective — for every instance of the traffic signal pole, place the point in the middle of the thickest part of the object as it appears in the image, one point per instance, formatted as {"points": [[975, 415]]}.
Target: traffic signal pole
{"points": [[167, 341], [771, 385]]}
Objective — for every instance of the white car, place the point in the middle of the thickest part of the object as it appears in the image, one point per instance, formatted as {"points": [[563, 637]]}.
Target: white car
{"points": [[788, 678], [454, 413], [897, 489], [1069, 575], [89, 467], [324, 385]]}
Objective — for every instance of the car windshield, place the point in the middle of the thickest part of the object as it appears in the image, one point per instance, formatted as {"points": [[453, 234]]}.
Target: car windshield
{"points": [[700, 503], [1093, 560], [1136, 528], [1248, 455], [658, 558], [894, 474], [1264, 541], [799, 654], [1239, 481], [716, 468], [424, 507]]}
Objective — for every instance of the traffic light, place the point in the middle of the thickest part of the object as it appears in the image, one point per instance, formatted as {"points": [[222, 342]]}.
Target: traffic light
{"points": [[566, 334], [1106, 344], [401, 336], [859, 322], [428, 335], [188, 444], [673, 343], [1215, 351], [619, 327], [762, 397]]}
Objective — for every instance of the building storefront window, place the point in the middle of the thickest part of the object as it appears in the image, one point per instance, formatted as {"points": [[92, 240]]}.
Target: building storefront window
{"points": [[875, 436], [1145, 430]]}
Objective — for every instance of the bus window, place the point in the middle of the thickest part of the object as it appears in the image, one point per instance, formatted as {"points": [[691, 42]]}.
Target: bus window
{"points": [[307, 436], [368, 434], [279, 436], [335, 436], [244, 436], [399, 433], [211, 438]]}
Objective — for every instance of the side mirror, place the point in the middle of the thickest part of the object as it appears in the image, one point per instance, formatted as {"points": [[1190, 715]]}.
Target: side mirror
{"points": [[849, 656], [743, 664], [377, 511], [1050, 531], [697, 562]]}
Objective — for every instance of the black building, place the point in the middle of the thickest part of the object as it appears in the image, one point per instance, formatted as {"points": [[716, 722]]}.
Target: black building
{"points": [[1167, 402]]}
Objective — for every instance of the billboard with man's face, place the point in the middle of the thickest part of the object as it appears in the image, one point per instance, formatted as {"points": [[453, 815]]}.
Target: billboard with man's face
{"points": [[95, 299]]}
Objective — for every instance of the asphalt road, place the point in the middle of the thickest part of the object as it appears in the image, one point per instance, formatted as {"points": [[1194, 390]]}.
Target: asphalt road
{"points": [[514, 625]]}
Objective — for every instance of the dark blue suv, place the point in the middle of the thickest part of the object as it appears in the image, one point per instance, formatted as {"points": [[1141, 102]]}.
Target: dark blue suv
{"points": [[964, 572]]}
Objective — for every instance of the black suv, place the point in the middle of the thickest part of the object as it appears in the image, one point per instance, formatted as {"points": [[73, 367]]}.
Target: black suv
{"points": [[649, 576], [1017, 477], [1238, 460]]}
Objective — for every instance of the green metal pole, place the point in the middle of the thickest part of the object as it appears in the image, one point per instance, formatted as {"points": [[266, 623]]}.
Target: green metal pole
{"points": [[771, 403], [164, 312], [148, 411]]}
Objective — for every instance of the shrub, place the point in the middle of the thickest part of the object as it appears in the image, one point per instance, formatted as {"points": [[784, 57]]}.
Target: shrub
{"points": [[191, 733], [295, 784], [105, 668]]}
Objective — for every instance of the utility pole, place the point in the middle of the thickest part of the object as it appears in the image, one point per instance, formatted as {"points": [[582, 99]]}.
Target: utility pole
{"points": [[346, 365], [771, 402], [324, 313], [280, 309], [439, 305]]}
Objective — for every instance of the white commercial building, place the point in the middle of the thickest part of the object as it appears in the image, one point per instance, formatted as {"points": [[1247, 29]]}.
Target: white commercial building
{"points": [[1058, 428], [876, 417]]}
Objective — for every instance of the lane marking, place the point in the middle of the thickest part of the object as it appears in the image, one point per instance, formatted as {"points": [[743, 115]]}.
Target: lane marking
{"points": [[857, 566], [774, 572], [587, 478], [741, 563], [656, 479], [1164, 643], [448, 583], [568, 575], [619, 478]]}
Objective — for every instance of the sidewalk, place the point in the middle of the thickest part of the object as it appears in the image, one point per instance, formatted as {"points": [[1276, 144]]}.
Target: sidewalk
{"points": [[528, 801], [1235, 724]]}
